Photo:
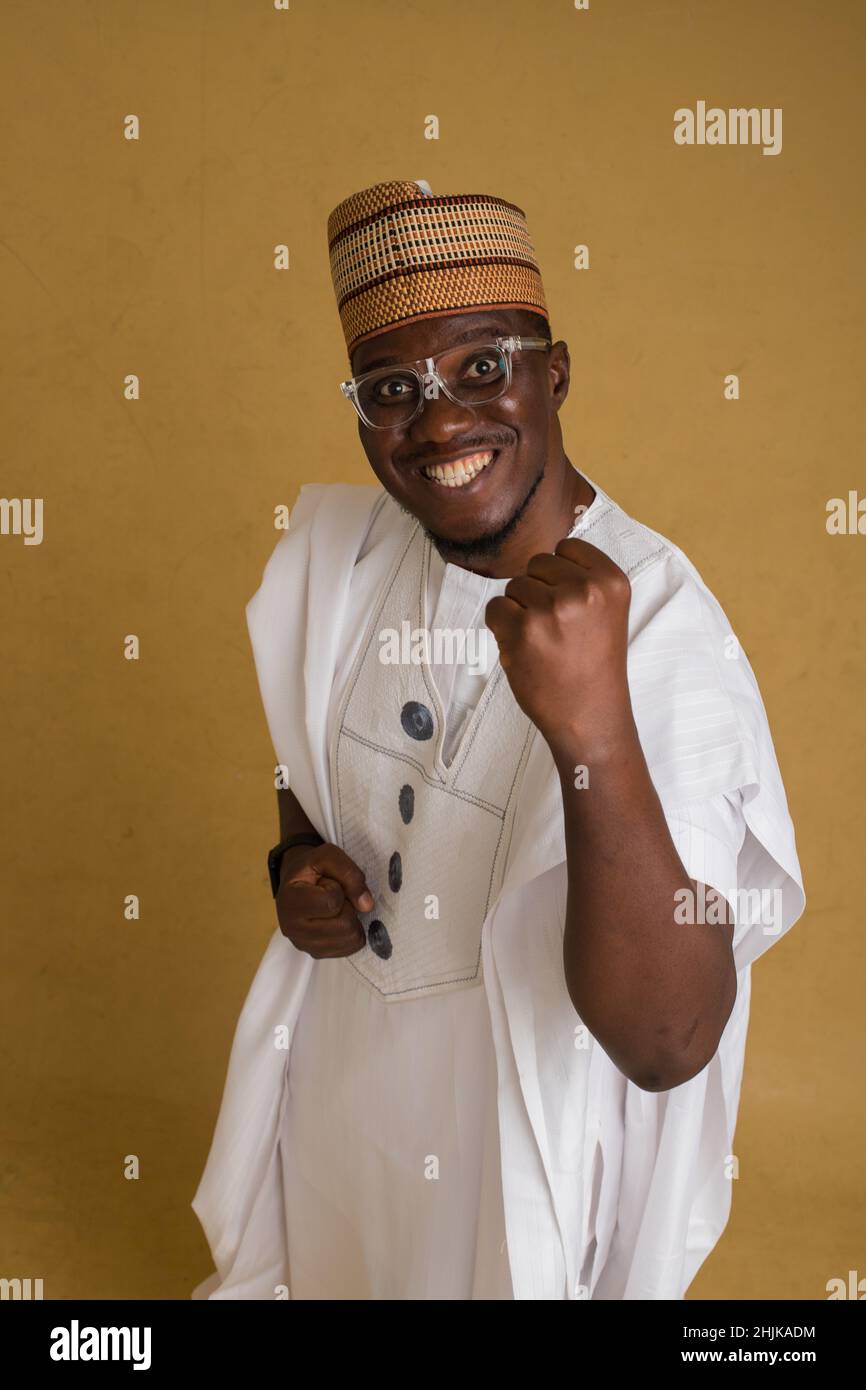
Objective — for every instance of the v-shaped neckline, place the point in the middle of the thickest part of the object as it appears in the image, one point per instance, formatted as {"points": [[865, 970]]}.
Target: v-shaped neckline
{"points": [[448, 772]]}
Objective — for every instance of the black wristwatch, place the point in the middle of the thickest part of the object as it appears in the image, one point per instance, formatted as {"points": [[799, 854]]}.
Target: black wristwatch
{"points": [[276, 854]]}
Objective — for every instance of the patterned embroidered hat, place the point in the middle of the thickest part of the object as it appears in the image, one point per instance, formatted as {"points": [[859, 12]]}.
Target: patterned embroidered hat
{"points": [[399, 253]]}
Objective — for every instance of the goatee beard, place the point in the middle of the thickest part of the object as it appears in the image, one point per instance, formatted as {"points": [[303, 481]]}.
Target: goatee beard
{"points": [[488, 546]]}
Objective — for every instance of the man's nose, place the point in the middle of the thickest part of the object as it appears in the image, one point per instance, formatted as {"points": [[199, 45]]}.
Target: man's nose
{"points": [[441, 418]]}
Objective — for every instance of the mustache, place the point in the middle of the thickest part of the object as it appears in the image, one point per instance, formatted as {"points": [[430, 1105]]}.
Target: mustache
{"points": [[463, 446]]}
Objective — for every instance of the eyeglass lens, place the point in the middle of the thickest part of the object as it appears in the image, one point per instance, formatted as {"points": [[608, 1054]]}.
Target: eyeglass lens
{"points": [[472, 375]]}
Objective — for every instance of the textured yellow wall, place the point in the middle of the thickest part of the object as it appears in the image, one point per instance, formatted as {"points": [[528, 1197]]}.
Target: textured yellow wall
{"points": [[154, 777]]}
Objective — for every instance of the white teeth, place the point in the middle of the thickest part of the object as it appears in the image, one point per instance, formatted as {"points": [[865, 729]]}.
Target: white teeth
{"points": [[459, 473]]}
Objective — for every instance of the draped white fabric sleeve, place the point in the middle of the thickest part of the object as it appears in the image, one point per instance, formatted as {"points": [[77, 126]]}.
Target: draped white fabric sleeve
{"points": [[655, 1166]]}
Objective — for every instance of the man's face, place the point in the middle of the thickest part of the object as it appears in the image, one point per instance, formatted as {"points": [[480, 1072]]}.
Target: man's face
{"points": [[517, 428]]}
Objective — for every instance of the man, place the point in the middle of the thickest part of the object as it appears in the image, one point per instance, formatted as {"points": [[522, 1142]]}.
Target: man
{"points": [[495, 1047]]}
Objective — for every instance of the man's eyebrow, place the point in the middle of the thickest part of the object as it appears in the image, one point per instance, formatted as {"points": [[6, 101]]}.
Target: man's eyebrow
{"points": [[494, 330]]}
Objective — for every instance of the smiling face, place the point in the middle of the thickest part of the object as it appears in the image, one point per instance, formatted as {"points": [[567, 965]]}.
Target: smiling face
{"points": [[473, 475]]}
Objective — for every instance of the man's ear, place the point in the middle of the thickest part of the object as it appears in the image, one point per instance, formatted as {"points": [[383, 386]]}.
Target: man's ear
{"points": [[559, 370]]}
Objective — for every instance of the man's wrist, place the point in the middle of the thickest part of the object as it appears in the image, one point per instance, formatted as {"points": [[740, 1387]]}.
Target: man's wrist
{"points": [[575, 743]]}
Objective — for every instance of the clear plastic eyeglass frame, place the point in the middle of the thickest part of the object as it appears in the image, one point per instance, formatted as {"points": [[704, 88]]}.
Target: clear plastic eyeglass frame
{"points": [[506, 346]]}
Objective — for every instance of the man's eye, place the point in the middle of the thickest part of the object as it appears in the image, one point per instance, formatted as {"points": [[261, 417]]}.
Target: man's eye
{"points": [[491, 364], [394, 388]]}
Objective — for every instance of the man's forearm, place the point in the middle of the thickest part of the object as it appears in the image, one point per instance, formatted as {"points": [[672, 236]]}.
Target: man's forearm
{"points": [[293, 819], [654, 992]]}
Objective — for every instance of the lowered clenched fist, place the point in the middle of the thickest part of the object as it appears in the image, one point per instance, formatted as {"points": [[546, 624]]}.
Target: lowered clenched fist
{"points": [[320, 894], [562, 631]]}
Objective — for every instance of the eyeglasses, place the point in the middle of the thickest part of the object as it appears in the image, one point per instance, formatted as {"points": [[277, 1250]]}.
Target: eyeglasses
{"points": [[470, 375]]}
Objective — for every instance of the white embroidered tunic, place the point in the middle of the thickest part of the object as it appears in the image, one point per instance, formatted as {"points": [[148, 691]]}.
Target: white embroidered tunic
{"points": [[390, 1137]]}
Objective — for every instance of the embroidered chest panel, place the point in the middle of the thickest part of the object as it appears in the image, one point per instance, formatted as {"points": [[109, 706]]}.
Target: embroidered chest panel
{"points": [[432, 840]]}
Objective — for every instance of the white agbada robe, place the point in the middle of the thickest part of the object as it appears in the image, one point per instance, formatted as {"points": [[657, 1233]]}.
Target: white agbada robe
{"points": [[607, 1191]]}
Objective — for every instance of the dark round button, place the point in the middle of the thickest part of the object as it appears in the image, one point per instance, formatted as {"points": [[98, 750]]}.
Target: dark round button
{"points": [[417, 720], [406, 803], [395, 872], [378, 939]]}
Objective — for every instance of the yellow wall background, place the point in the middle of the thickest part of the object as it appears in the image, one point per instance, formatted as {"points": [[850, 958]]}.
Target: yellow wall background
{"points": [[155, 777]]}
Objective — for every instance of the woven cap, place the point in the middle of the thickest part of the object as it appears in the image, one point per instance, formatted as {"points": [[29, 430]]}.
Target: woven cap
{"points": [[400, 253]]}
